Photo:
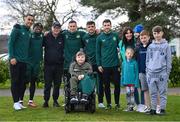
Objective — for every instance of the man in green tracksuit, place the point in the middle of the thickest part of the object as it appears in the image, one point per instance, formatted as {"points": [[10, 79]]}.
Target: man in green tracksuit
{"points": [[35, 58], [72, 44], [89, 41], [108, 62], [18, 48]]}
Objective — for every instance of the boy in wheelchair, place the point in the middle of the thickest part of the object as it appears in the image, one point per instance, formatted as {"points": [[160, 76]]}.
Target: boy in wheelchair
{"points": [[79, 70]]}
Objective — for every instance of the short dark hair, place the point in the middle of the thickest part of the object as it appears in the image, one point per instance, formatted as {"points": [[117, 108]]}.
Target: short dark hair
{"points": [[90, 23], [28, 14], [72, 21], [157, 29], [107, 21], [38, 25]]}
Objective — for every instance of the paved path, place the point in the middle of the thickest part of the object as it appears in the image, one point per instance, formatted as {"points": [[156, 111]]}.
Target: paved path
{"points": [[6, 92]]}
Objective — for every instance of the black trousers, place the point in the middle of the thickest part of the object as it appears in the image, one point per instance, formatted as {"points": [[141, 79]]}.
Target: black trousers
{"points": [[18, 78], [52, 75], [32, 88], [108, 73], [100, 84]]}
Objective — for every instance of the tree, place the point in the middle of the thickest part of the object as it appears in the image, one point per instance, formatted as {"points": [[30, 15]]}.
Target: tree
{"points": [[45, 11], [148, 12]]}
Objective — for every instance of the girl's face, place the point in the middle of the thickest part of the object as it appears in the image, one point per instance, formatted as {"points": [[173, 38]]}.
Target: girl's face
{"points": [[129, 54], [80, 59], [128, 35]]}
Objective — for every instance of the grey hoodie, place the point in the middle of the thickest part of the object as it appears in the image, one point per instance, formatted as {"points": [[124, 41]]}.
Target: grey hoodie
{"points": [[158, 57]]}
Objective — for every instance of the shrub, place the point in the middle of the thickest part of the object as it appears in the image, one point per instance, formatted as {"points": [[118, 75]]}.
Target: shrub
{"points": [[174, 75], [4, 71]]}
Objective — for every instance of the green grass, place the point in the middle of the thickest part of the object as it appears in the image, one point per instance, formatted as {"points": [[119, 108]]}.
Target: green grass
{"points": [[7, 113]]}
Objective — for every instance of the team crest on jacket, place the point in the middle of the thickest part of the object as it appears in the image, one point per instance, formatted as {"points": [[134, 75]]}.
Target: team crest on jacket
{"points": [[87, 40], [78, 36], [23, 33], [66, 36], [114, 38]]}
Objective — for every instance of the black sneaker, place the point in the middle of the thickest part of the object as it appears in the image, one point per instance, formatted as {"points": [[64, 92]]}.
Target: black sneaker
{"points": [[74, 99], [56, 104], [162, 112], [84, 98], [117, 107], [45, 105], [109, 106], [151, 112]]}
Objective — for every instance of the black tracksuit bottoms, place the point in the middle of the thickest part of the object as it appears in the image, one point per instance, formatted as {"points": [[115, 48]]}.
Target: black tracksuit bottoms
{"points": [[18, 79], [52, 76]]}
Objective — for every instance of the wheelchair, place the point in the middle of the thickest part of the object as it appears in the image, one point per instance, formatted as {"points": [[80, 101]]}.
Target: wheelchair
{"points": [[85, 86]]}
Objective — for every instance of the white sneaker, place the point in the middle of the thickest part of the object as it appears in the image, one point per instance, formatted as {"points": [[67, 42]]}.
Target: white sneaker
{"points": [[16, 106], [101, 105], [20, 105], [158, 109], [143, 108], [140, 107]]}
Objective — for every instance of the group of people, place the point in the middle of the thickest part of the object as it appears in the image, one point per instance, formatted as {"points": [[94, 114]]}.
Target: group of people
{"points": [[134, 61]]}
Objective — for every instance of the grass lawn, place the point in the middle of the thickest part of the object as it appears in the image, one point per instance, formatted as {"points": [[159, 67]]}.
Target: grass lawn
{"points": [[7, 113]]}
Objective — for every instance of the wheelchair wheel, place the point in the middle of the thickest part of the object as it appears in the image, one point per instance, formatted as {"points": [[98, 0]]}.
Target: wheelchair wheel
{"points": [[93, 103]]}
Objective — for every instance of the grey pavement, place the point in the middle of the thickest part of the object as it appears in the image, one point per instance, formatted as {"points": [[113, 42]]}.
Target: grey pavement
{"points": [[39, 92]]}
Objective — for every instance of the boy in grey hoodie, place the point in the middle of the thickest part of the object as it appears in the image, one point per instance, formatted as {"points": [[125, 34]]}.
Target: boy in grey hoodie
{"points": [[158, 67]]}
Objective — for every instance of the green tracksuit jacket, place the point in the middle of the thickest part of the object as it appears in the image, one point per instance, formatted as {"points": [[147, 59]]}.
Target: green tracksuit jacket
{"points": [[72, 44], [18, 43], [106, 49], [90, 47]]}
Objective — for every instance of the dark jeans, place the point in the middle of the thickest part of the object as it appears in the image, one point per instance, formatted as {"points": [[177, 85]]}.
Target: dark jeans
{"points": [[136, 97], [107, 74], [18, 78], [52, 74], [100, 84]]}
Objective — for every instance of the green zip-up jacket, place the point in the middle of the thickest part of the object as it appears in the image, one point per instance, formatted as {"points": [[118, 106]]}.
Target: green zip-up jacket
{"points": [[90, 47], [36, 50], [106, 49], [18, 43], [72, 44]]}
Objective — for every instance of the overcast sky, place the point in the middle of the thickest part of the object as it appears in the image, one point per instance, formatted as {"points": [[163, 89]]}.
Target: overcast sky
{"points": [[66, 5]]}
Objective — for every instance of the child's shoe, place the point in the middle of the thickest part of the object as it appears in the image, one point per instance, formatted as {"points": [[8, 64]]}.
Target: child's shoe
{"points": [[16, 106], [32, 104], [151, 112], [74, 99], [84, 98], [101, 105], [162, 112], [158, 109]]}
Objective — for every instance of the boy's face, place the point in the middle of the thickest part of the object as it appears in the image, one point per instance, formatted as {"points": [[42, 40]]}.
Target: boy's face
{"points": [[129, 54], [29, 21], [144, 39], [91, 28], [38, 29], [158, 35], [107, 27], [80, 59], [129, 35], [72, 27]]}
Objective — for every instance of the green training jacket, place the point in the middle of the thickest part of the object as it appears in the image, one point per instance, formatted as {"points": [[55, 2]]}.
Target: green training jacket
{"points": [[18, 43], [106, 49], [90, 47], [72, 44]]}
